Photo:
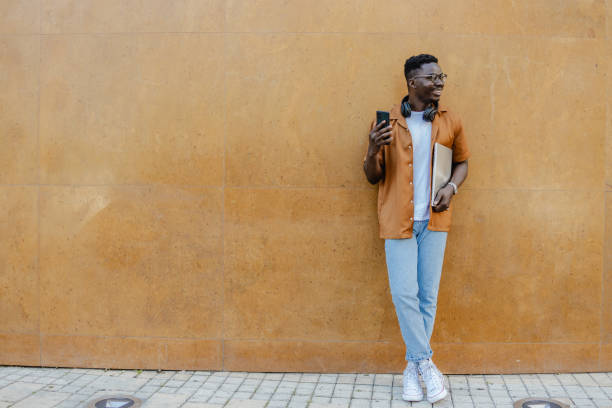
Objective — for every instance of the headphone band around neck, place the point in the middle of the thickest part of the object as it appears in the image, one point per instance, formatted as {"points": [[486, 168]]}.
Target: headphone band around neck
{"points": [[428, 115]]}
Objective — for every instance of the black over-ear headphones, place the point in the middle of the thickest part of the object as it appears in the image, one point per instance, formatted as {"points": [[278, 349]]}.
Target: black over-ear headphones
{"points": [[428, 115]]}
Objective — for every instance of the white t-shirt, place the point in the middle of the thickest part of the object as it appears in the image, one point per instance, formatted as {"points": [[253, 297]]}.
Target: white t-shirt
{"points": [[420, 130]]}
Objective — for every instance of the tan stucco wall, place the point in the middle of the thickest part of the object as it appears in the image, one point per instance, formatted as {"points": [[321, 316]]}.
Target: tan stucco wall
{"points": [[181, 183]]}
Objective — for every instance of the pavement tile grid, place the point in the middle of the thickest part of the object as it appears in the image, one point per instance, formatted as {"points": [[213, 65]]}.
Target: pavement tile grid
{"points": [[24, 387]]}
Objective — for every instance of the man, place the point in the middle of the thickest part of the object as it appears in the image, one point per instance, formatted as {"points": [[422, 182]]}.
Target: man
{"points": [[399, 159]]}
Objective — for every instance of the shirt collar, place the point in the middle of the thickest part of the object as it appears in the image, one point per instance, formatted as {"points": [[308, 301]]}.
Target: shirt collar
{"points": [[396, 113]]}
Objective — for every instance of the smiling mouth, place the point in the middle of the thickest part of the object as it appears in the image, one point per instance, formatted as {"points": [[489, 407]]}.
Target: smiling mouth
{"points": [[437, 92]]}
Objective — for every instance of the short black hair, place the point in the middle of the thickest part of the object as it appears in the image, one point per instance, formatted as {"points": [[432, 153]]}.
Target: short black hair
{"points": [[415, 62]]}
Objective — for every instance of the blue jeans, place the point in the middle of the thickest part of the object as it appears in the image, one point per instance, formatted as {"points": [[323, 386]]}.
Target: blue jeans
{"points": [[415, 266]]}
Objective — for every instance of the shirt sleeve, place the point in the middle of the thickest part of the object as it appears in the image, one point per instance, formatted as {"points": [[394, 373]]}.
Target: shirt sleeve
{"points": [[461, 152], [380, 155]]}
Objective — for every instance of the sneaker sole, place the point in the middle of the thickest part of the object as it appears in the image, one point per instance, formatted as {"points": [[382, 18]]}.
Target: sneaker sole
{"points": [[440, 396], [412, 398]]}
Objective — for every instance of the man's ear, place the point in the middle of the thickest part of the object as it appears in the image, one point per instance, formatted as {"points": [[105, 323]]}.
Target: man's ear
{"points": [[410, 83]]}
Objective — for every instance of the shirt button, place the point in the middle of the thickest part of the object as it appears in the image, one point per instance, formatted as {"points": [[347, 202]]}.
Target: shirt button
{"points": [[410, 218], [410, 165], [411, 182], [411, 201], [410, 146]]}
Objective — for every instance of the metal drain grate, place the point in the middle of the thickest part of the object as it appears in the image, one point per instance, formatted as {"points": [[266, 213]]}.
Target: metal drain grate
{"points": [[539, 403], [115, 401]]}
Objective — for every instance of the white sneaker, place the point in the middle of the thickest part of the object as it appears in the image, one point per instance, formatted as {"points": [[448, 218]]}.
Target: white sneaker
{"points": [[434, 381], [412, 390]]}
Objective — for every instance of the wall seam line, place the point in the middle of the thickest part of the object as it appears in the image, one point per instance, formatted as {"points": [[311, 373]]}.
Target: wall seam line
{"points": [[605, 202], [281, 187], [294, 187], [222, 311], [290, 340], [160, 338], [389, 33], [38, 192], [603, 276], [210, 186]]}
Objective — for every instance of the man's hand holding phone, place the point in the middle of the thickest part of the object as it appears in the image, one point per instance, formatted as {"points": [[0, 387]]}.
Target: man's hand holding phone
{"points": [[380, 136]]}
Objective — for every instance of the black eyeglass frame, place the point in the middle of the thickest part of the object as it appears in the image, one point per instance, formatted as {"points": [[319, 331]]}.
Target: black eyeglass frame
{"points": [[433, 77]]}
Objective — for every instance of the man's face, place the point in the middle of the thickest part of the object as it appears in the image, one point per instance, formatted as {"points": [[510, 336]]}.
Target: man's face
{"points": [[425, 87]]}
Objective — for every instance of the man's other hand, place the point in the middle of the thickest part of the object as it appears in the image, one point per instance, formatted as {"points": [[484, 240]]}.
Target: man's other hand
{"points": [[443, 198]]}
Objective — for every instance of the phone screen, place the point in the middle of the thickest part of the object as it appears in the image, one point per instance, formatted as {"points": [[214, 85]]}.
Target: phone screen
{"points": [[382, 115]]}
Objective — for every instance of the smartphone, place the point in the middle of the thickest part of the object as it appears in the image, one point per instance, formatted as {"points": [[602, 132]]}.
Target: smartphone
{"points": [[382, 115]]}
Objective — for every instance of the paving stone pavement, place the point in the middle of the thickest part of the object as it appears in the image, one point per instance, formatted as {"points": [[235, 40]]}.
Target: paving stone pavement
{"points": [[34, 387]]}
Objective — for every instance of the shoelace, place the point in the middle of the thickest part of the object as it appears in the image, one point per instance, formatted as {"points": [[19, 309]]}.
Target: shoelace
{"points": [[414, 376], [427, 371]]}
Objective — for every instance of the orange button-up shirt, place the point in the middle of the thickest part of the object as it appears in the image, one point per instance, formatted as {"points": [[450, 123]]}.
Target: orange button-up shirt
{"points": [[396, 188]]}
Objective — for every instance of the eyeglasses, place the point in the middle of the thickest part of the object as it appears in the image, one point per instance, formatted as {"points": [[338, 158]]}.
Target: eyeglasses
{"points": [[433, 77]]}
